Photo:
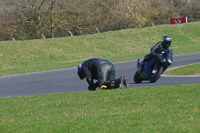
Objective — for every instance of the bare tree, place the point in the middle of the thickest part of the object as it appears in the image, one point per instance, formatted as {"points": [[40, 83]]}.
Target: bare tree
{"points": [[28, 19]]}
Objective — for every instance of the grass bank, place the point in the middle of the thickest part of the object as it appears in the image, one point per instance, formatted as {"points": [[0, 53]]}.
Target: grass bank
{"points": [[185, 71], [40, 55], [149, 109]]}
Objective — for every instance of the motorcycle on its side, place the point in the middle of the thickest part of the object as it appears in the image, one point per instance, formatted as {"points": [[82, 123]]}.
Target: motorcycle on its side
{"points": [[152, 70]]}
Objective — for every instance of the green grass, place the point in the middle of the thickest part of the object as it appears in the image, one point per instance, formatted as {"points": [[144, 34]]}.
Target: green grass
{"points": [[150, 109], [186, 70], [41, 55]]}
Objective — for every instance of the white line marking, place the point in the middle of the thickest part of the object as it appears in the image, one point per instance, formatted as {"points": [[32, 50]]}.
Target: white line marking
{"points": [[182, 66], [183, 76]]}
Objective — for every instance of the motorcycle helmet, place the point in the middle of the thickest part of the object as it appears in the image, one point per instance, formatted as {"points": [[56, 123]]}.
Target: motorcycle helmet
{"points": [[80, 72], [167, 41]]}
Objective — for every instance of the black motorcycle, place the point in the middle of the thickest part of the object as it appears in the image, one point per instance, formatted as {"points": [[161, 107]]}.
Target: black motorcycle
{"points": [[153, 68]]}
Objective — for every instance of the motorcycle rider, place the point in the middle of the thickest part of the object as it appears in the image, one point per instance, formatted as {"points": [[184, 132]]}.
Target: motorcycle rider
{"points": [[158, 48], [103, 71]]}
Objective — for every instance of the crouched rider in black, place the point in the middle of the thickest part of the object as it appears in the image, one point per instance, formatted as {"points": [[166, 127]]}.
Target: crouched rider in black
{"points": [[103, 71], [158, 48]]}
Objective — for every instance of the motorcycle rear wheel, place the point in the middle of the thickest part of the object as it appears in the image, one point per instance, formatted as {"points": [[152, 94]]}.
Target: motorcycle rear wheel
{"points": [[137, 78]]}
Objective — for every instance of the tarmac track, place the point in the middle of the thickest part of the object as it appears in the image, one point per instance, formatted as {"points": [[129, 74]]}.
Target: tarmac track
{"points": [[66, 80]]}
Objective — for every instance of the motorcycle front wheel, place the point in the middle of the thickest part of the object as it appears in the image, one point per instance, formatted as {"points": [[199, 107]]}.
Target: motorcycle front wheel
{"points": [[155, 76]]}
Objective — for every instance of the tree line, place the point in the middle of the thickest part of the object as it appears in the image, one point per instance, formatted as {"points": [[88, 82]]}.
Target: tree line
{"points": [[34, 19]]}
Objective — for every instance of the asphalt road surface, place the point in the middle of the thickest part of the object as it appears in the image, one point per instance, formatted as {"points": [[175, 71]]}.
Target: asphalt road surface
{"points": [[66, 80]]}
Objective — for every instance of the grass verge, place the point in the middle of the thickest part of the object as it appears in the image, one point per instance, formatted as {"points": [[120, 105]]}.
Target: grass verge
{"points": [[185, 71], [149, 109], [41, 55]]}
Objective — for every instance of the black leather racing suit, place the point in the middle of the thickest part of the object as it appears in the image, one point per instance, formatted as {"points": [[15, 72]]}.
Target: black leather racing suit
{"points": [[157, 49], [101, 70]]}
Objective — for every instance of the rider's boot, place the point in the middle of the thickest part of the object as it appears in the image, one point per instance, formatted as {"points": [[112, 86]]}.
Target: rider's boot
{"points": [[119, 83], [125, 82]]}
